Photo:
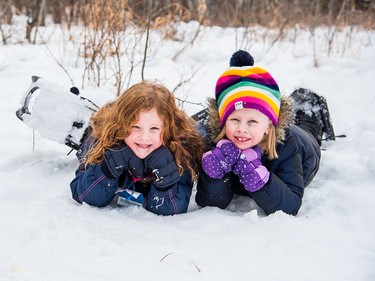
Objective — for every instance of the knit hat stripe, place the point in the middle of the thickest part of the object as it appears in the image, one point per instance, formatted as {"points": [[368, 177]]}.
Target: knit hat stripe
{"points": [[250, 102], [225, 82], [246, 89], [245, 95], [244, 71], [256, 74]]}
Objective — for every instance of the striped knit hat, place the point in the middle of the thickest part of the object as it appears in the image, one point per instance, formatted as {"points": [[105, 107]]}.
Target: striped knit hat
{"points": [[246, 86]]}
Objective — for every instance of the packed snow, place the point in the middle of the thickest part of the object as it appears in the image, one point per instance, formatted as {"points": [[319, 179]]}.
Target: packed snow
{"points": [[46, 236]]}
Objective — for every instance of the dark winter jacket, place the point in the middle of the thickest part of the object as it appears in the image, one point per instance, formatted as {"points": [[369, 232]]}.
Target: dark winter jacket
{"points": [[297, 164], [91, 186]]}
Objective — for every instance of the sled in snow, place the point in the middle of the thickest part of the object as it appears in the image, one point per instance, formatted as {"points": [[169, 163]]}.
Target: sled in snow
{"points": [[58, 114]]}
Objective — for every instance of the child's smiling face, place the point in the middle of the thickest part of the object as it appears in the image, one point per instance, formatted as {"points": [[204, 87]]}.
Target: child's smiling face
{"points": [[246, 127], [146, 134]]}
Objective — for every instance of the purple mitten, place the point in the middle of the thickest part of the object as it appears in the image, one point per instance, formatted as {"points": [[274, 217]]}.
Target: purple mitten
{"points": [[219, 161], [249, 160], [256, 179], [253, 175], [252, 153]]}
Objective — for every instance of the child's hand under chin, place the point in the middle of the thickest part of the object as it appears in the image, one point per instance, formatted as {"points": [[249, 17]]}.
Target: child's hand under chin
{"points": [[219, 161], [253, 175]]}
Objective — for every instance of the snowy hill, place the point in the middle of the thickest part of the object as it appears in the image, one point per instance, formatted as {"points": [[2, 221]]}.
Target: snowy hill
{"points": [[45, 235]]}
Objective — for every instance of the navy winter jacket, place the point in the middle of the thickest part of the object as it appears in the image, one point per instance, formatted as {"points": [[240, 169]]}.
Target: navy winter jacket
{"points": [[91, 186], [298, 162]]}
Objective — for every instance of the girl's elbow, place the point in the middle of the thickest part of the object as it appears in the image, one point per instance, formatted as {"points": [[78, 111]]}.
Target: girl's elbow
{"points": [[291, 207]]}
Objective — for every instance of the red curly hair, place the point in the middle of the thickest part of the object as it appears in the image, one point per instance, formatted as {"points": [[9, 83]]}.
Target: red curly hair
{"points": [[113, 122]]}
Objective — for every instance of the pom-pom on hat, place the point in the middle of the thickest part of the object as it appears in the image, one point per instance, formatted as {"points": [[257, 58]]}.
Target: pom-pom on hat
{"points": [[244, 85]]}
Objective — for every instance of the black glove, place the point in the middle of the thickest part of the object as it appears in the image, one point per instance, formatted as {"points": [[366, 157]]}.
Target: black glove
{"points": [[164, 170], [119, 159]]}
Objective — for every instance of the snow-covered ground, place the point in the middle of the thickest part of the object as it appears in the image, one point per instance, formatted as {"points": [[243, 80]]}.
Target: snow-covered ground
{"points": [[46, 236]]}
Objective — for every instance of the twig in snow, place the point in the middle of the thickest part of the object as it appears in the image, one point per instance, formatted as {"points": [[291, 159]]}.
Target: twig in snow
{"points": [[165, 257], [198, 269]]}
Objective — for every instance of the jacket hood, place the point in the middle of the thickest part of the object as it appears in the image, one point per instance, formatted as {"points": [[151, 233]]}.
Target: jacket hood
{"points": [[285, 119]]}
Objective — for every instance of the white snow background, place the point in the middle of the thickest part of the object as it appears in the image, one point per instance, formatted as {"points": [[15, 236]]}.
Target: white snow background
{"points": [[46, 236]]}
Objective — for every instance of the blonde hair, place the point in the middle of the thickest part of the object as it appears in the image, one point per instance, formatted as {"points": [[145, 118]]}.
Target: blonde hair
{"points": [[268, 143], [113, 122]]}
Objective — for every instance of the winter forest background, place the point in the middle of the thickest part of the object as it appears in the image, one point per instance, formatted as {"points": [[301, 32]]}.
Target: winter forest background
{"points": [[104, 46], [113, 32]]}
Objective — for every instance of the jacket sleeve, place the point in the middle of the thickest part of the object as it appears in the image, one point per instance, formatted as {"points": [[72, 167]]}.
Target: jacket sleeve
{"points": [[285, 187], [214, 192], [90, 185], [171, 200], [93, 187]]}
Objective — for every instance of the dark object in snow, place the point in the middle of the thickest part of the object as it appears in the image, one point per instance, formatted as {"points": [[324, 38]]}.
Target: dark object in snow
{"points": [[311, 111]]}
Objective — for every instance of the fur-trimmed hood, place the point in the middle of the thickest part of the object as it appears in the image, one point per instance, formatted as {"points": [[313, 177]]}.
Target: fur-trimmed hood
{"points": [[285, 119]]}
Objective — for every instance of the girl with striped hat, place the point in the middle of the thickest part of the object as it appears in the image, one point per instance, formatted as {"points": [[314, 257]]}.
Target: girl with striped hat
{"points": [[254, 147]]}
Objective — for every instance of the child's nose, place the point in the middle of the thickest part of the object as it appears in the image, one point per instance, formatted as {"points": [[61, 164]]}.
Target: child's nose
{"points": [[144, 135], [242, 127]]}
